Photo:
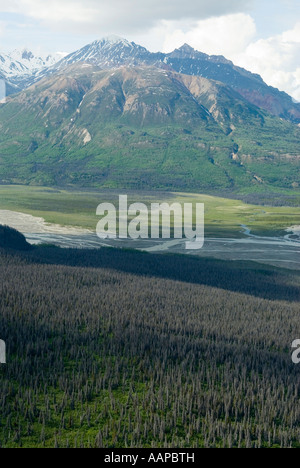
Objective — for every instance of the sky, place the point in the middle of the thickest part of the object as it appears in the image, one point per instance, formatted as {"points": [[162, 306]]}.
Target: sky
{"points": [[262, 36]]}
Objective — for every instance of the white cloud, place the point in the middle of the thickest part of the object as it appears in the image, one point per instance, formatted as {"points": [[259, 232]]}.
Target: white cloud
{"points": [[277, 59], [211, 26], [129, 15], [226, 34], [50, 10]]}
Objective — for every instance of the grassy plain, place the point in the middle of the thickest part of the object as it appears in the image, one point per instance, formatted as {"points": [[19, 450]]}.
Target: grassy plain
{"points": [[223, 217]]}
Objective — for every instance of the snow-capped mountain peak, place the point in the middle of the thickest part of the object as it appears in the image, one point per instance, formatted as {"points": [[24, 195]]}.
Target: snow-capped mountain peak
{"points": [[20, 69], [108, 52], [27, 55], [112, 40], [21, 64]]}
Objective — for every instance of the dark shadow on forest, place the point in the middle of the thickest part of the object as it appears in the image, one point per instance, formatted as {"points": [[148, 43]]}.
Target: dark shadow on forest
{"points": [[244, 277]]}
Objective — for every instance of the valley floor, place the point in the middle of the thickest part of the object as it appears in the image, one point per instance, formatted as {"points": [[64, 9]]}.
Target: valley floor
{"points": [[276, 251], [271, 235]]}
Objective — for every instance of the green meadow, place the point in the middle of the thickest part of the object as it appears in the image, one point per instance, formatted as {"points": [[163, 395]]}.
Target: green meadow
{"points": [[223, 217]]}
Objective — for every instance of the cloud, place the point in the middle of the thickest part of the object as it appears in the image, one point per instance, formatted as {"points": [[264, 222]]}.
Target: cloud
{"points": [[211, 26], [121, 15], [228, 35], [277, 59]]}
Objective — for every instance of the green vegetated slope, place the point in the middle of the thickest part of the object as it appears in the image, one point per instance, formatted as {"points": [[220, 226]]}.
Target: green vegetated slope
{"points": [[143, 128], [139, 350]]}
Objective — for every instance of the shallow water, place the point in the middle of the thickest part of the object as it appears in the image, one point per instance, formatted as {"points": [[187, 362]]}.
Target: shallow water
{"points": [[279, 251]]}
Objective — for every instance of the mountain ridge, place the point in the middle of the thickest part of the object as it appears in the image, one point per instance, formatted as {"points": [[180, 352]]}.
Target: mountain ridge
{"points": [[113, 51], [143, 127], [21, 67]]}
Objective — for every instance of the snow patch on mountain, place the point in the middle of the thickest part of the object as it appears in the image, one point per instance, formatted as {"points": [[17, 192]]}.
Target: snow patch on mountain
{"points": [[20, 64], [109, 52]]}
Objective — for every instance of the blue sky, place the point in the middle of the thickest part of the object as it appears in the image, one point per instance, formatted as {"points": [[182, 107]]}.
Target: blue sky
{"points": [[274, 16], [261, 35]]}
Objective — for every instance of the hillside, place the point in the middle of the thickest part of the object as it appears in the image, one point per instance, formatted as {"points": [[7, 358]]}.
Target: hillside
{"points": [[143, 127], [115, 348]]}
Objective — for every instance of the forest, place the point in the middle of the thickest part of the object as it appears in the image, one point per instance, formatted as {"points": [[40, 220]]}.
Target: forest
{"points": [[11, 238], [115, 348]]}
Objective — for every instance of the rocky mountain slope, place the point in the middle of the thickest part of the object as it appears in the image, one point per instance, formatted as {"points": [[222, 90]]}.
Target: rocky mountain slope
{"points": [[143, 127], [23, 69], [114, 52]]}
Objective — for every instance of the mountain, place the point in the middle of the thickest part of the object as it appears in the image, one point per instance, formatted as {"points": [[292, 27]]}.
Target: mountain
{"points": [[21, 68], [6, 87], [142, 127], [113, 52], [251, 86], [110, 52]]}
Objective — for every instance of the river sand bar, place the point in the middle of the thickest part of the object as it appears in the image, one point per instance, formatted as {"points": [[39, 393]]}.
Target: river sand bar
{"points": [[28, 224]]}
